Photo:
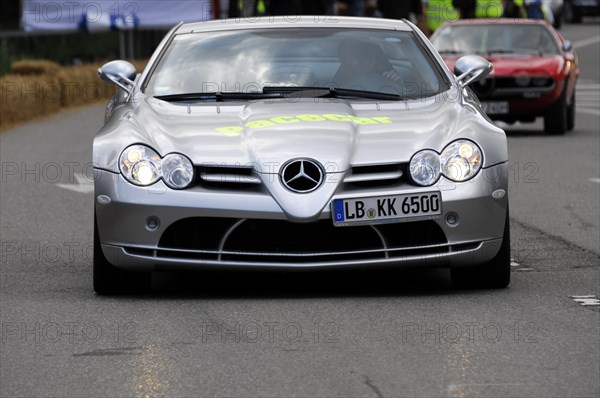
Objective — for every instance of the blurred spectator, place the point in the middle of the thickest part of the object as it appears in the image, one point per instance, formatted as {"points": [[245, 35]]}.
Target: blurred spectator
{"points": [[398, 9], [298, 7], [285, 7], [331, 7], [465, 8], [355, 8], [511, 9], [242, 8], [314, 7], [534, 9]]}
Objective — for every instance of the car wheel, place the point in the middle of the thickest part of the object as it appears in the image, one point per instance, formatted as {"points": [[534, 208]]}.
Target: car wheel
{"points": [[571, 13], [109, 279], [571, 114], [555, 120], [494, 274]]}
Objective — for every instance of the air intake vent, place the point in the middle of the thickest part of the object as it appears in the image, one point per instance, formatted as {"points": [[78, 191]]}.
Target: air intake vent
{"points": [[376, 174], [227, 175], [273, 241]]}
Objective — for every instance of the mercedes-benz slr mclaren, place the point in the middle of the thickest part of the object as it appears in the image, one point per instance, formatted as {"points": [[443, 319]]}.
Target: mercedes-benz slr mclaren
{"points": [[293, 143]]}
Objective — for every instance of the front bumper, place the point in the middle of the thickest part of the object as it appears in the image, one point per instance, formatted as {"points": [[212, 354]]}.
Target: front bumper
{"points": [[128, 243], [525, 101]]}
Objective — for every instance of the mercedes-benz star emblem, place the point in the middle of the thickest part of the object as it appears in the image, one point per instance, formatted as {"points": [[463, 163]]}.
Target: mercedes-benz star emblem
{"points": [[302, 175]]}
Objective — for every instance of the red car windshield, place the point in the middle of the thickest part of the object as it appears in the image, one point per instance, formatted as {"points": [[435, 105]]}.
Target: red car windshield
{"points": [[495, 39]]}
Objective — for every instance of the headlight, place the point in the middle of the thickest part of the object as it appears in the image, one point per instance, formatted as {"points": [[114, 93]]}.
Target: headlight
{"points": [[177, 171], [461, 160], [140, 165], [425, 167]]}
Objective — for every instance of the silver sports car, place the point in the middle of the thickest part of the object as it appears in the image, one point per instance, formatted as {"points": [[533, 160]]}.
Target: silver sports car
{"points": [[298, 143]]}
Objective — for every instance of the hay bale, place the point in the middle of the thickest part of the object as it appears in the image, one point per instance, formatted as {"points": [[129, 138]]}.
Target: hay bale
{"points": [[81, 85], [41, 88], [24, 98], [28, 67], [140, 64]]}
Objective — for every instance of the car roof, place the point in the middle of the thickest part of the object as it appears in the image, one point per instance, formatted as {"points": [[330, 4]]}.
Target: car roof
{"points": [[294, 22]]}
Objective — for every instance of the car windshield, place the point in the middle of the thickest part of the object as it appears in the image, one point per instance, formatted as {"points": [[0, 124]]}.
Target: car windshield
{"points": [[248, 61], [497, 38]]}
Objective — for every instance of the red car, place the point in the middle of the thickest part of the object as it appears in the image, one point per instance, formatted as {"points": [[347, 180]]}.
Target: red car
{"points": [[535, 69]]}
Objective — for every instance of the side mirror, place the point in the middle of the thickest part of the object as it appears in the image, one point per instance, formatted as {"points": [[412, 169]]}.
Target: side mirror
{"points": [[471, 68], [120, 73], [567, 46]]}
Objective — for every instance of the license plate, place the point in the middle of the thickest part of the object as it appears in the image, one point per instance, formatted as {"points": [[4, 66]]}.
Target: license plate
{"points": [[382, 209], [495, 107]]}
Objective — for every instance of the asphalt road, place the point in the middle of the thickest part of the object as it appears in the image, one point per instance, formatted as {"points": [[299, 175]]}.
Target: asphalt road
{"points": [[382, 334]]}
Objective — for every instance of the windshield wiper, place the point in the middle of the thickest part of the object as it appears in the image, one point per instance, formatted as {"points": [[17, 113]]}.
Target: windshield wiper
{"points": [[274, 92], [328, 92], [217, 96]]}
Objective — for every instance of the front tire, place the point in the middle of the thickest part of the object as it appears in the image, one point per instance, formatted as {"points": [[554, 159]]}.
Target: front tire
{"points": [[109, 279], [494, 274], [555, 119]]}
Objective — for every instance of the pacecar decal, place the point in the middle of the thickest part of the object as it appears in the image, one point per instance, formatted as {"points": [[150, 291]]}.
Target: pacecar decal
{"points": [[307, 118]]}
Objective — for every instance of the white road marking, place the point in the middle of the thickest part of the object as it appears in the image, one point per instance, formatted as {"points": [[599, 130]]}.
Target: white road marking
{"points": [[588, 98], [596, 180], [587, 85], [586, 300], [83, 185], [453, 388], [594, 112], [586, 42], [587, 89]]}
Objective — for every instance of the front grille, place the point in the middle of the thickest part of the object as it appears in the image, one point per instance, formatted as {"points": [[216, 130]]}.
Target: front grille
{"points": [[376, 175], [506, 87], [269, 241], [246, 178]]}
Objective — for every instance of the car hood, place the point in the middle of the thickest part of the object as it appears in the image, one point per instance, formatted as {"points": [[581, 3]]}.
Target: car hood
{"points": [[266, 134], [511, 65]]}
